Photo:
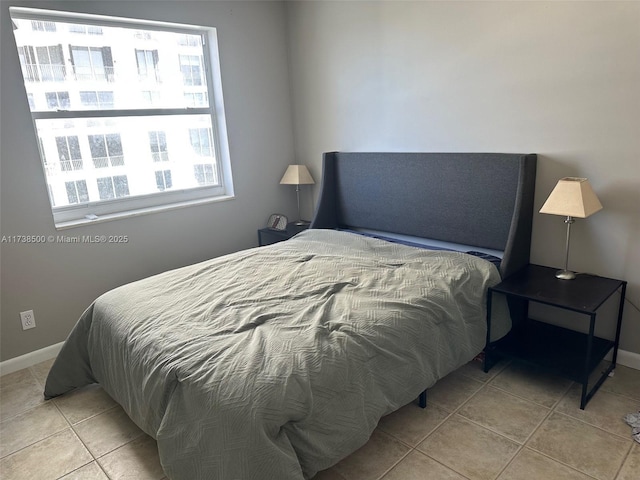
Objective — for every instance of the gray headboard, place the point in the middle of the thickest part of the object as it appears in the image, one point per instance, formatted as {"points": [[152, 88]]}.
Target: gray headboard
{"points": [[480, 199]]}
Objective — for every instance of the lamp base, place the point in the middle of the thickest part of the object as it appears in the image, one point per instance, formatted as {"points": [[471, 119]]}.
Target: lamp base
{"points": [[300, 223], [565, 274]]}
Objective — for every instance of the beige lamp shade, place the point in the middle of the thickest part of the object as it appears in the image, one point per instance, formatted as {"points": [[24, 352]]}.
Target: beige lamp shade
{"points": [[297, 175], [572, 197]]}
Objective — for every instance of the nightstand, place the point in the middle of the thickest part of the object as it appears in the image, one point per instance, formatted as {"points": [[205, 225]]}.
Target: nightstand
{"points": [[267, 236], [559, 350]]}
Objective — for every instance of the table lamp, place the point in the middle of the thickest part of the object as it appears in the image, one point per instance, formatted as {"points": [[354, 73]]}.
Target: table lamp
{"points": [[571, 197], [297, 175]]}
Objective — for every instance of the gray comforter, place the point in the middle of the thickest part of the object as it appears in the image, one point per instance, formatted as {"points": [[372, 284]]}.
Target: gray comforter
{"points": [[276, 362]]}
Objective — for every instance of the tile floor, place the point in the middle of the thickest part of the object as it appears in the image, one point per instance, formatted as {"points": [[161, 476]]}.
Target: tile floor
{"points": [[512, 423]]}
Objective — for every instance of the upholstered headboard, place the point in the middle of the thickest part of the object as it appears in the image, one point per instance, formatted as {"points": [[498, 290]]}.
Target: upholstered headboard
{"points": [[479, 199]]}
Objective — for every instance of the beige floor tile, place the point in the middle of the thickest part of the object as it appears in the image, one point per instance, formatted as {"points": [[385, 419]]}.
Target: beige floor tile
{"points": [[631, 468], [373, 459], [417, 466], [50, 458], [533, 384], [474, 369], [530, 465], [30, 427], [107, 431], [84, 402], [506, 414], [329, 474], [19, 391], [137, 460], [452, 391], [412, 424], [605, 410], [41, 370], [469, 449], [581, 446], [92, 471], [625, 381]]}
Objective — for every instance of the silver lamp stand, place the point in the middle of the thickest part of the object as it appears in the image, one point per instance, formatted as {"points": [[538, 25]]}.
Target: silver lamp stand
{"points": [[566, 274], [299, 222]]}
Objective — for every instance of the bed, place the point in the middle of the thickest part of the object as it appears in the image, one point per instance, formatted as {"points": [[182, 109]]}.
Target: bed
{"points": [[276, 362]]}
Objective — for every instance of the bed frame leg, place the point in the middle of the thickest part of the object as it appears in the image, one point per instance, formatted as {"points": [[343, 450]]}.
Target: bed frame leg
{"points": [[422, 399]]}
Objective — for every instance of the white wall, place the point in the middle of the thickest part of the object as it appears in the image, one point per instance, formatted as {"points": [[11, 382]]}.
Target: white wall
{"points": [[58, 281], [560, 79]]}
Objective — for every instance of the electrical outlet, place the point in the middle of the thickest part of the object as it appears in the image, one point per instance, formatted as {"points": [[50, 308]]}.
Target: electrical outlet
{"points": [[28, 320]]}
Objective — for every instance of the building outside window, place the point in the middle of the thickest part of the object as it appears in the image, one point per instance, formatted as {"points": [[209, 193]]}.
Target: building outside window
{"points": [[104, 134], [58, 100], [147, 61], [113, 187], [77, 191], [106, 150], [69, 153], [42, 63], [96, 99], [158, 145], [163, 179]]}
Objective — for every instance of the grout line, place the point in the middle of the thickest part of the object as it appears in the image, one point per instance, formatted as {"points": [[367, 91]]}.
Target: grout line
{"points": [[624, 461], [381, 477]]}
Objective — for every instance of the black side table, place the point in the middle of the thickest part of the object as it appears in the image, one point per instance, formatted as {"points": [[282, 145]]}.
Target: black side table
{"points": [[562, 351], [267, 236]]}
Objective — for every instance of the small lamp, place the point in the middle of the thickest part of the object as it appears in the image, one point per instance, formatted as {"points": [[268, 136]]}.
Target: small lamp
{"points": [[571, 197], [297, 175]]}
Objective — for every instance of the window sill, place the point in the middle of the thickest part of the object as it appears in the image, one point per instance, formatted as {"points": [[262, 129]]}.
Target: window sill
{"points": [[81, 222]]}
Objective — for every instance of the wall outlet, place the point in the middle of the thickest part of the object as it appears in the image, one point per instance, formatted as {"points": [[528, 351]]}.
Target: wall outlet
{"points": [[28, 320]]}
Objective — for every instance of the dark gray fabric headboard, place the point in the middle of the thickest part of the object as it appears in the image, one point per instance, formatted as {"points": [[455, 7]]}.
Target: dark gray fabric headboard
{"points": [[481, 199]]}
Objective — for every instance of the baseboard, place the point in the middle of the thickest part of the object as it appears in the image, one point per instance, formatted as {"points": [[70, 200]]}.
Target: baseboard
{"points": [[628, 359], [29, 359]]}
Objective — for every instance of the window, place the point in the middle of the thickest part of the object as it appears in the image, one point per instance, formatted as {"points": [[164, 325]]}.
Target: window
{"points": [[58, 100], [43, 26], [113, 187], [150, 97], [92, 63], [69, 153], [204, 174], [97, 100], [77, 191], [42, 64], [95, 124], [191, 67], [147, 65], [163, 179], [194, 99], [106, 150], [158, 144], [85, 29]]}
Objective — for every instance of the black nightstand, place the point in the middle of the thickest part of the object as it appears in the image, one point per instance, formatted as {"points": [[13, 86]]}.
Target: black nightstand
{"points": [[267, 236], [565, 352]]}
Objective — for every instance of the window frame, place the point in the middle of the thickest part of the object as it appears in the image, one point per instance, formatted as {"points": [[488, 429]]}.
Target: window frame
{"points": [[96, 211]]}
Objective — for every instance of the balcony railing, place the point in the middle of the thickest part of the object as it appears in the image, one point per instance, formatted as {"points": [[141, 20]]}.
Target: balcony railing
{"points": [[44, 73], [104, 162], [104, 74], [150, 76], [59, 73], [69, 165], [160, 156]]}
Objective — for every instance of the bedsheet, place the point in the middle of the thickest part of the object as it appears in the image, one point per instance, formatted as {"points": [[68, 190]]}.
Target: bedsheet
{"points": [[278, 361]]}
